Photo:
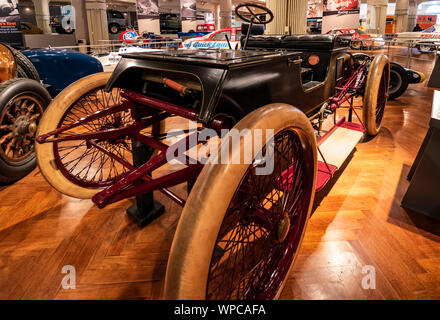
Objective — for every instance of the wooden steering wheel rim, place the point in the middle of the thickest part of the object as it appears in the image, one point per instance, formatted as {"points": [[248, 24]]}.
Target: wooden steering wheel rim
{"points": [[255, 17]]}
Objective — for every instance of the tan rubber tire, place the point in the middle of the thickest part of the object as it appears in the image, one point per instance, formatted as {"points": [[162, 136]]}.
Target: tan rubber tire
{"points": [[380, 67], [49, 122], [202, 216]]}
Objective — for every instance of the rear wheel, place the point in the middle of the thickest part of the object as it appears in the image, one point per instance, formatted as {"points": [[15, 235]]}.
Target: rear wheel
{"points": [[22, 103], [79, 168], [240, 232], [376, 94], [398, 81]]}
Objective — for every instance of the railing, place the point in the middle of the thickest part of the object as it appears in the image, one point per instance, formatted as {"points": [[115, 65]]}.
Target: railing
{"points": [[107, 46], [392, 49]]}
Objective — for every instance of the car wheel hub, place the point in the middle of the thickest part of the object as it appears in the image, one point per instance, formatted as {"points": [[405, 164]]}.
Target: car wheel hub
{"points": [[23, 126]]}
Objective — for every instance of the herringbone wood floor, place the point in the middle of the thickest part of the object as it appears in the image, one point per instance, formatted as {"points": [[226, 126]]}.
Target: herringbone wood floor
{"points": [[356, 222]]}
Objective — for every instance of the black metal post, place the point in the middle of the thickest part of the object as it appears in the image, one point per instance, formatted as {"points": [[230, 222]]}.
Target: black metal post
{"points": [[248, 33], [146, 209]]}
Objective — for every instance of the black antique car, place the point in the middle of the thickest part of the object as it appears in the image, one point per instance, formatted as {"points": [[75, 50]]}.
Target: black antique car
{"points": [[242, 225]]}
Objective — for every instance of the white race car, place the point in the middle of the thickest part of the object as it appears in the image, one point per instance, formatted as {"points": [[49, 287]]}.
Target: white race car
{"points": [[425, 41], [215, 40]]}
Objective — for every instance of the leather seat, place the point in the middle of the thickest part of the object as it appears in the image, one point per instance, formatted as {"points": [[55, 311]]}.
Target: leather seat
{"points": [[309, 42], [319, 42], [263, 42]]}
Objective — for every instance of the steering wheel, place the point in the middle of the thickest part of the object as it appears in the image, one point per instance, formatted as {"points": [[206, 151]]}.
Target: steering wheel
{"points": [[254, 13]]}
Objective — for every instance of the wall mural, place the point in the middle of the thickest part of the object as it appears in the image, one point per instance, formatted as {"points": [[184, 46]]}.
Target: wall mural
{"points": [[340, 6], [340, 14], [188, 9], [10, 30], [147, 9], [314, 9]]}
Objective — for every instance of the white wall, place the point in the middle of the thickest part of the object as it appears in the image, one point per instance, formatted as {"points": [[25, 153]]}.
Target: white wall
{"points": [[339, 21]]}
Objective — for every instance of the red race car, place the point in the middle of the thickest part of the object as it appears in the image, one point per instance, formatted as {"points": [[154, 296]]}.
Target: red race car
{"points": [[360, 39]]}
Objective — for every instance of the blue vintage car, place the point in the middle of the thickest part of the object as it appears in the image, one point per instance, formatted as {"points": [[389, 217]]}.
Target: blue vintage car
{"points": [[58, 68]]}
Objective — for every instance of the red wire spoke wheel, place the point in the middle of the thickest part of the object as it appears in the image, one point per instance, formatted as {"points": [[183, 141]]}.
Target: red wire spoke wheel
{"points": [[376, 94], [86, 165], [81, 168], [240, 232]]}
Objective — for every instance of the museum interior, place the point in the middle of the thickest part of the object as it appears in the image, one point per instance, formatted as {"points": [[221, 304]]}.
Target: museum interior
{"points": [[138, 162]]}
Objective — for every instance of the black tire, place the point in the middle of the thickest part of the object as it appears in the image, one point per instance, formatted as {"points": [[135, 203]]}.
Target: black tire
{"points": [[113, 28], [425, 47], [12, 170], [60, 30], [25, 68], [398, 81], [356, 45]]}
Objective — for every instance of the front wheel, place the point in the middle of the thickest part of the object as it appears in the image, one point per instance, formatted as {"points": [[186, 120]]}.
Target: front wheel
{"points": [[376, 94], [81, 168], [22, 103], [241, 229]]}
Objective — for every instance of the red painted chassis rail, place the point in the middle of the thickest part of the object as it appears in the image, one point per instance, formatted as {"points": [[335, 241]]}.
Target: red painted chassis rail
{"points": [[125, 186]]}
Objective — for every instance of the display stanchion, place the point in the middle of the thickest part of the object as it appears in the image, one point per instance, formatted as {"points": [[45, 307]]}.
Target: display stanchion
{"points": [[434, 79], [424, 175]]}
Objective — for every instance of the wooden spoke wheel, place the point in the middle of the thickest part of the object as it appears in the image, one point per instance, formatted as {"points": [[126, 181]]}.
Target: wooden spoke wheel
{"points": [[240, 232], [22, 102], [80, 168], [376, 94]]}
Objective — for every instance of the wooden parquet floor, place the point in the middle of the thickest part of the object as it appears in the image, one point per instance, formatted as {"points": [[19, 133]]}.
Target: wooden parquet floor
{"points": [[357, 222]]}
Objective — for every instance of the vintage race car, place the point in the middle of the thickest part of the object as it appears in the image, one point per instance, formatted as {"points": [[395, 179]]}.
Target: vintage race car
{"points": [[426, 41], [71, 65], [360, 39], [215, 40], [251, 195]]}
